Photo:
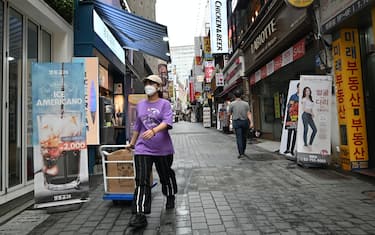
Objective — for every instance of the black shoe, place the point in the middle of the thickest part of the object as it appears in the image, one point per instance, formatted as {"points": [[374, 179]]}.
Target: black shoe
{"points": [[239, 156], [286, 151], [170, 202], [138, 220]]}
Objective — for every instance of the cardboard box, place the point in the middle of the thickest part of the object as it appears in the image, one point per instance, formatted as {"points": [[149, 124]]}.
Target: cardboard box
{"points": [[121, 169]]}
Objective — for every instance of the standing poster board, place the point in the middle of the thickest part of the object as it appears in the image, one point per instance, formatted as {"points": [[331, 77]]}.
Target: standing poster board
{"points": [[314, 119], [92, 98], [59, 136], [289, 131], [206, 117]]}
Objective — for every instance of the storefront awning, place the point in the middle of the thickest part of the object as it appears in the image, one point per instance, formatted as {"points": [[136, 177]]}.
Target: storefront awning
{"points": [[135, 32]]}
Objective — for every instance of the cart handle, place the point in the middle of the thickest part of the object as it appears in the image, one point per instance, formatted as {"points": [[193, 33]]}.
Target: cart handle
{"points": [[101, 147]]}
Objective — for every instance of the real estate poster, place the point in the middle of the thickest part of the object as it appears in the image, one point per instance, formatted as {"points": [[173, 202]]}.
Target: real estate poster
{"points": [[314, 119], [289, 131], [59, 137]]}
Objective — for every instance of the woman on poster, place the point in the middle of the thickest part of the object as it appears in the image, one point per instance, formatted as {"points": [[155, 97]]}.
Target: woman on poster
{"points": [[307, 104]]}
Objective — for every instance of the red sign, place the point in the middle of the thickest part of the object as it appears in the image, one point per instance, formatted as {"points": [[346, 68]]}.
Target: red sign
{"points": [[291, 54]]}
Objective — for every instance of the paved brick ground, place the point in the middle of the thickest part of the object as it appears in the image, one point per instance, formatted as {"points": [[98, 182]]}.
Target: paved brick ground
{"points": [[220, 194]]}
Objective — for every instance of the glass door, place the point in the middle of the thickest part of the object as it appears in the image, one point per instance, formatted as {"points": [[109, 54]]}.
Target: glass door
{"points": [[368, 59], [2, 176], [14, 127]]}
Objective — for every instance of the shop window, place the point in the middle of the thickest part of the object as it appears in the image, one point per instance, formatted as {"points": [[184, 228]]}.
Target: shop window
{"points": [[46, 47], [32, 56], [1, 87], [15, 93]]}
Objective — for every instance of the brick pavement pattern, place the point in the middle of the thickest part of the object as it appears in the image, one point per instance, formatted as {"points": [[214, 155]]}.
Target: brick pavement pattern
{"points": [[220, 194]]}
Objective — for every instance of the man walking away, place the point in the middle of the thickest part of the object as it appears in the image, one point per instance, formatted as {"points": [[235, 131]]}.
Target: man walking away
{"points": [[242, 120]]}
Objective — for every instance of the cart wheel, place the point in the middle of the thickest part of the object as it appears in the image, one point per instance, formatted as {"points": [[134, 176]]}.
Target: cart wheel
{"points": [[115, 202]]}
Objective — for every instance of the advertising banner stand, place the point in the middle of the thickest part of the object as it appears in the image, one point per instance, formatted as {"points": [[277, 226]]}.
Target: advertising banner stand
{"points": [[314, 118], [59, 134], [289, 131]]}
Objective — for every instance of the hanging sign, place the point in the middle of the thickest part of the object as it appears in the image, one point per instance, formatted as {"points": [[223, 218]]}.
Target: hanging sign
{"points": [[59, 134], [219, 26]]}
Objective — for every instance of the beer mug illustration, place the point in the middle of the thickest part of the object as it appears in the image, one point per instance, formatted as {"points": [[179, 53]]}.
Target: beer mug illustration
{"points": [[60, 142]]}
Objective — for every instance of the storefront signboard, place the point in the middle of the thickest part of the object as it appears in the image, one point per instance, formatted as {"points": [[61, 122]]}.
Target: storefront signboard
{"points": [[273, 34], [219, 79], [59, 137], [105, 34], [209, 68], [350, 100], [234, 71], [334, 12], [314, 119], [207, 48], [288, 56]]}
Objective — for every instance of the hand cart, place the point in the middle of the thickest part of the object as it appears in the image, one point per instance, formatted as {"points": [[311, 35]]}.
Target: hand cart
{"points": [[115, 158]]}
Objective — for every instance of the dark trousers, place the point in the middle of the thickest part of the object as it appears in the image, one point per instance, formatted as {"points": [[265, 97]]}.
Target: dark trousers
{"points": [[292, 133], [241, 128], [308, 121], [143, 170]]}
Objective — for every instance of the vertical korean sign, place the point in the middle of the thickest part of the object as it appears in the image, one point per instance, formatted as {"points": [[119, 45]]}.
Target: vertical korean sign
{"points": [[59, 138], [314, 118], [350, 100]]}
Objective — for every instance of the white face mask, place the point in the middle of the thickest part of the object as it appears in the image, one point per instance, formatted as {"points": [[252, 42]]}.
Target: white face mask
{"points": [[150, 90]]}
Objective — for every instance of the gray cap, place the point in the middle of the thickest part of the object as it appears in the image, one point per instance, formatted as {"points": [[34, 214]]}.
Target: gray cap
{"points": [[154, 78]]}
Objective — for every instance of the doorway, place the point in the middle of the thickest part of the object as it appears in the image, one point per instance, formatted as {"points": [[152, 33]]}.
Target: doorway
{"points": [[368, 61]]}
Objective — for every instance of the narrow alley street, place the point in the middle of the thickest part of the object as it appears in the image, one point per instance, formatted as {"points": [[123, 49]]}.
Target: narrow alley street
{"points": [[220, 194]]}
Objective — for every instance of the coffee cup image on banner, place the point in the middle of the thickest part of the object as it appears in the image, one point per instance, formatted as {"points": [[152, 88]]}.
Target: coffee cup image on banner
{"points": [[60, 141]]}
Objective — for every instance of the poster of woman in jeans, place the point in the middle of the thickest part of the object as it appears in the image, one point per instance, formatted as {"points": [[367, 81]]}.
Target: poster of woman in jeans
{"points": [[307, 117], [314, 119]]}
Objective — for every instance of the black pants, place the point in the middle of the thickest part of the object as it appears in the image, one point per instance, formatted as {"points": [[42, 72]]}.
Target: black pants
{"points": [[241, 129], [308, 121], [291, 133], [143, 170]]}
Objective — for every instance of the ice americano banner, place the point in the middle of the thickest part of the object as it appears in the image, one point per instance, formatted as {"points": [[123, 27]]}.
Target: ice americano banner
{"points": [[59, 134]]}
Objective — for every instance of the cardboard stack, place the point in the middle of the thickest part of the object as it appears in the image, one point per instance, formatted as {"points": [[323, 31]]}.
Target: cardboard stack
{"points": [[116, 169]]}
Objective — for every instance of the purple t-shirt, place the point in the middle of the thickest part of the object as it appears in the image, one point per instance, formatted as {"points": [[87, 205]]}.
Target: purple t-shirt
{"points": [[150, 115]]}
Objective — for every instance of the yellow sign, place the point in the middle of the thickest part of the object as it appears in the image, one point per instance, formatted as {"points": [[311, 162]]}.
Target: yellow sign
{"points": [[276, 102], [300, 3], [207, 45], [350, 100]]}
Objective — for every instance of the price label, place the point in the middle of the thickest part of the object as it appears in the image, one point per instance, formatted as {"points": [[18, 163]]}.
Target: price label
{"points": [[73, 145]]}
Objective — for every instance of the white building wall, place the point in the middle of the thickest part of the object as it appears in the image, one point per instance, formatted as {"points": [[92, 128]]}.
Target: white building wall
{"points": [[61, 31]]}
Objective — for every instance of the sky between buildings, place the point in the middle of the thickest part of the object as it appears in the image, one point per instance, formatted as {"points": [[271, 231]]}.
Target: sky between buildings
{"points": [[184, 19]]}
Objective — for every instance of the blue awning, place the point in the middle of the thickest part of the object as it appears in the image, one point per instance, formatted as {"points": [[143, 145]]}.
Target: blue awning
{"points": [[135, 32]]}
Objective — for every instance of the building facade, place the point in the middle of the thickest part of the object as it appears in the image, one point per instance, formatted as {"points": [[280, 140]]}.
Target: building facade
{"points": [[350, 27], [31, 32]]}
